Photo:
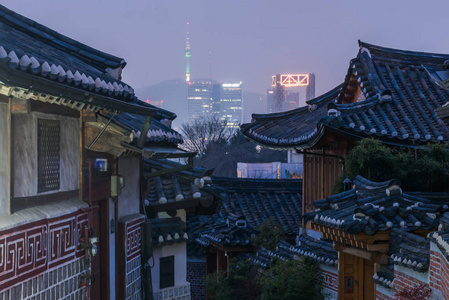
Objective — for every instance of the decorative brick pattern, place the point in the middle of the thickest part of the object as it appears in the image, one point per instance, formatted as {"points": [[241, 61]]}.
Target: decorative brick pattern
{"points": [[439, 273], [129, 261], [174, 293], [62, 282], [36, 248], [133, 279], [330, 284], [381, 296], [403, 282], [195, 275]]}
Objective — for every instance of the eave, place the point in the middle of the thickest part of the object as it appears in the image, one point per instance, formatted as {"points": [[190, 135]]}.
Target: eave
{"points": [[12, 78]]}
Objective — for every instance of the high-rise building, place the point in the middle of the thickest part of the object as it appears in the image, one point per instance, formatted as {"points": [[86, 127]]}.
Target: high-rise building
{"points": [[199, 99], [269, 101], [188, 54], [227, 103]]}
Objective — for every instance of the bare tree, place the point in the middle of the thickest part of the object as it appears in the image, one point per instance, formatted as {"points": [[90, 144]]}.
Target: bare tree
{"points": [[202, 131]]}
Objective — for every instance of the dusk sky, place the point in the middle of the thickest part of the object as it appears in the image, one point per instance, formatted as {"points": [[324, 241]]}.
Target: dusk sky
{"points": [[250, 40]]}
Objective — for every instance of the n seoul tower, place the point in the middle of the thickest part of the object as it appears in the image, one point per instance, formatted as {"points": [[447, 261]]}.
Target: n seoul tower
{"points": [[188, 54]]}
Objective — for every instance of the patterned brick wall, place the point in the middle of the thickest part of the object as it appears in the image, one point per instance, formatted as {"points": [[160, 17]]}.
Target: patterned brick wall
{"points": [[330, 284], [404, 281], [43, 259], [60, 283], [381, 296], [129, 253], [195, 275], [439, 273]]}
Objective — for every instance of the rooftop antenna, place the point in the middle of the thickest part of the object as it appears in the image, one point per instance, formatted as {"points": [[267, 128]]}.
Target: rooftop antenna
{"points": [[188, 53]]}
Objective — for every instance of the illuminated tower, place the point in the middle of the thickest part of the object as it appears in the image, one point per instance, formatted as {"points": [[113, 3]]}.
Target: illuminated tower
{"points": [[188, 54]]}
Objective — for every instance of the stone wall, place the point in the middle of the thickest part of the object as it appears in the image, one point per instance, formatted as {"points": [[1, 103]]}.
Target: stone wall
{"points": [[42, 259], [195, 275]]}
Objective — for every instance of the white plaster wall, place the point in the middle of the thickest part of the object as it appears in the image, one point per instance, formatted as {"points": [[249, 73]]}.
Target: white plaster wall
{"points": [[4, 184], [180, 252], [25, 153], [128, 201], [424, 277]]}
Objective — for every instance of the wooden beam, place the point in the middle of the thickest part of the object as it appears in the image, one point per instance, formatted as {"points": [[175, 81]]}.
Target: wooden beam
{"points": [[378, 247], [10, 137], [144, 132], [354, 251]]}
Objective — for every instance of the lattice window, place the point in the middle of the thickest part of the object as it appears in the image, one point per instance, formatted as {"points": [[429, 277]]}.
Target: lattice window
{"points": [[167, 271], [48, 157]]}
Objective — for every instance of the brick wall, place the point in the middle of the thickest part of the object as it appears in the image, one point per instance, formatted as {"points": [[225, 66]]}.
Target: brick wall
{"points": [[60, 283], [195, 275], [381, 296], [405, 279], [439, 272], [129, 258], [43, 259]]}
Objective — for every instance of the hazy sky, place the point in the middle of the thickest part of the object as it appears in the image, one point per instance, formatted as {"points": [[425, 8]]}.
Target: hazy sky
{"points": [[250, 40]]}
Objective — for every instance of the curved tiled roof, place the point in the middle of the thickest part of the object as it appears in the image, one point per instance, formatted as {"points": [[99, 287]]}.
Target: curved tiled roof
{"points": [[259, 200], [181, 188], [409, 250], [369, 208], [232, 232], [296, 127], [158, 132], [398, 103], [167, 231], [252, 201], [36, 58]]}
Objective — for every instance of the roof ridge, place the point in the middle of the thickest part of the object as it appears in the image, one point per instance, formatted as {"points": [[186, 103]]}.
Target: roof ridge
{"points": [[86, 53], [401, 51], [317, 100]]}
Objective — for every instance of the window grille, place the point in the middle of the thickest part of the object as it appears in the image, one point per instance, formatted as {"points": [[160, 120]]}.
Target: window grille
{"points": [[167, 271], [48, 157]]}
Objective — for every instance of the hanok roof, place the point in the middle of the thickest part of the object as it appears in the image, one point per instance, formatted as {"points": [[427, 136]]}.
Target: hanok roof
{"points": [[441, 237], [252, 201], [387, 94], [159, 132], [167, 231], [258, 200], [285, 130], [234, 232], [372, 207], [39, 63], [409, 250], [320, 251], [178, 190]]}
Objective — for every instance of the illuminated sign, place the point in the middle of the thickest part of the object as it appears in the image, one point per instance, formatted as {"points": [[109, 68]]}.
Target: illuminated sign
{"points": [[289, 80], [231, 85]]}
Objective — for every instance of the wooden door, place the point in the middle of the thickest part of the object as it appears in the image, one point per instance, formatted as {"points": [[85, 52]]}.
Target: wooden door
{"points": [[355, 278]]}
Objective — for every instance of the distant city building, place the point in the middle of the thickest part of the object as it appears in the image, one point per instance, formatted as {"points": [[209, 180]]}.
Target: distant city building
{"points": [[281, 99], [223, 100], [291, 100], [199, 99], [310, 90], [227, 103], [269, 101]]}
